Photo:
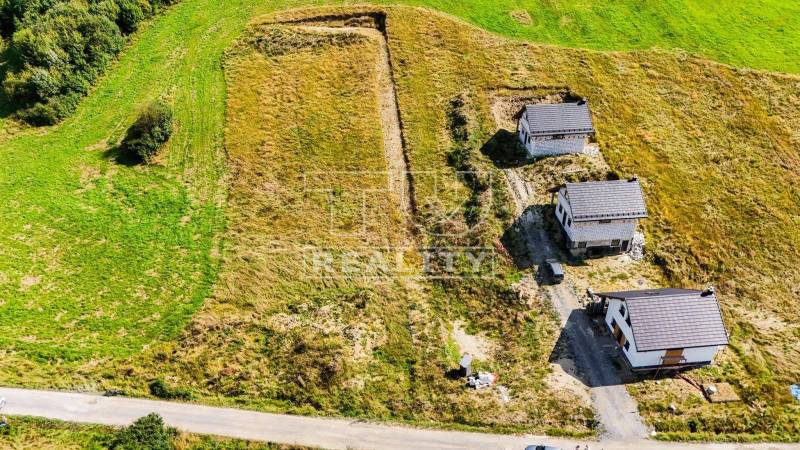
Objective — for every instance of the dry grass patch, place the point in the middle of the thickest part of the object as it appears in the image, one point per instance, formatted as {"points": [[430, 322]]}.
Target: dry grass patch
{"points": [[308, 170]]}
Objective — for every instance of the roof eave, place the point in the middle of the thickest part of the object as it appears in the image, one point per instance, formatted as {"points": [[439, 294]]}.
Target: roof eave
{"points": [[595, 218], [727, 342]]}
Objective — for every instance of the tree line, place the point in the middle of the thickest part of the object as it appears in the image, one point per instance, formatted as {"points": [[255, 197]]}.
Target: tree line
{"points": [[54, 50]]}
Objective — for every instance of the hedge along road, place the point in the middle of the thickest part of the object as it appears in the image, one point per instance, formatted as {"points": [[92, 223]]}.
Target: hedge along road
{"points": [[297, 430]]}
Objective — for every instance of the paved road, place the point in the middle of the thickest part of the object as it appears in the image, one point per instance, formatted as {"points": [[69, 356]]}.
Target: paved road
{"points": [[310, 431]]}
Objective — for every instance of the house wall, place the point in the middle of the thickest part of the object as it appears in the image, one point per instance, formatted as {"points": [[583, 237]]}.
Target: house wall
{"points": [[617, 229], [652, 358], [548, 145]]}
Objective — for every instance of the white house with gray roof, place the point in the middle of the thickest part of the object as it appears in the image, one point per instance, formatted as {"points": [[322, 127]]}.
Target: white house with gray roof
{"points": [[665, 328], [555, 129], [599, 217]]}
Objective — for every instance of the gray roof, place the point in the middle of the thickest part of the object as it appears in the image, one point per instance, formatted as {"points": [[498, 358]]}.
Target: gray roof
{"points": [[662, 319], [560, 118], [598, 200]]}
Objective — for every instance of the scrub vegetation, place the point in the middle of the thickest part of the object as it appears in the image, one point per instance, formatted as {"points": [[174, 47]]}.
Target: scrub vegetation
{"points": [[147, 432], [191, 270]]}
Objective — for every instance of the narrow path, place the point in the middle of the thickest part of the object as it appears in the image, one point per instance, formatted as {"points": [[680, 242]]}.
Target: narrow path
{"points": [[297, 430], [615, 409]]}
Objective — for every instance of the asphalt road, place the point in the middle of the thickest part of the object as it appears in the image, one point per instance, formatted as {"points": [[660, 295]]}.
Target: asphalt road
{"points": [[309, 431]]}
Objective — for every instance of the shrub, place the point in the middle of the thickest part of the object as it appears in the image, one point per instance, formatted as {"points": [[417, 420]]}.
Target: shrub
{"points": [[130, 15], [146, 433], [150, 131], [160, 389]]}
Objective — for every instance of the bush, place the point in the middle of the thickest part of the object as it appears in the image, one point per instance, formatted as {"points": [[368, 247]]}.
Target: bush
{"points": [[146, 433], [160, 389], [130, 15], [150, 131]]}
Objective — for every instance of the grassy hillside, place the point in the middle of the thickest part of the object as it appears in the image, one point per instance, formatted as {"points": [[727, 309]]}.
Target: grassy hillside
{"points": [[369, 344], [101, 261], [99, 258], [760, 34], [716, 149]]}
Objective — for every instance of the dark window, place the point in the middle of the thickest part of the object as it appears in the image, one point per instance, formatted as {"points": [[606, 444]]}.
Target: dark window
{"points": [[560, 208], [613, 323], [627, 345], [564, 218], [628, 320], [581, 244], [625, 245], [615, 242], [569, 222], [622, 309]]}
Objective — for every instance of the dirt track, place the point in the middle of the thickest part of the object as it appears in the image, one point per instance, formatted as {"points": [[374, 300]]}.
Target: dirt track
{"points": [[614, 407]]}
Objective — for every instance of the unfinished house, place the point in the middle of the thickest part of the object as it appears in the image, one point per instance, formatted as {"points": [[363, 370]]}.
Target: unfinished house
{"points": [[599, 217], [555, 129], [665, 328]]}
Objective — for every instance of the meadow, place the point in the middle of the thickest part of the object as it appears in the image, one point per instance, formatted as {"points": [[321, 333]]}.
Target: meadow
{"points": [[105, 266], [311, 175], [757, 34]]}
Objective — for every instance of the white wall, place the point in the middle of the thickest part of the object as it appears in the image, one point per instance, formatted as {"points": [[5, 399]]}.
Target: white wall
{"points": [[653, 358], [546, 145], [622, 229]]}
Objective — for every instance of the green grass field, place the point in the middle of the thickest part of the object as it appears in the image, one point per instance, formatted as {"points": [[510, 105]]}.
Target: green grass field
{"points": [[100, 261], [761, 34], [100, 258]]}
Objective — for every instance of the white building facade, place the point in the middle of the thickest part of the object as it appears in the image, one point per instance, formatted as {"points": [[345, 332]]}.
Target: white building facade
{"points": [[599, 217], [675, 327], [555, 129]]}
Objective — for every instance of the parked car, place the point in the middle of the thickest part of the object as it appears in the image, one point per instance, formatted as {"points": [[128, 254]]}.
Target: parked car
{"points": [[554, 271], [541, 447]]}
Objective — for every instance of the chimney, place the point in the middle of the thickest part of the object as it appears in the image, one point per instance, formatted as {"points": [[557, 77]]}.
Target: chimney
{"points": [[709, 291]]}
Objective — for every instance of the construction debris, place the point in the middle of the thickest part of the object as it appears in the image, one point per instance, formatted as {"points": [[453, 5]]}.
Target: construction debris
{"points": [[482, 380], [591, 149], [503, 391], [465, 365], [637, 247]]}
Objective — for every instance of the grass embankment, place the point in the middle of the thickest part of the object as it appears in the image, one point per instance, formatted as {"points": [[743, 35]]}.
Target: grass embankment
{"points": [[758, 34], [41, 434]]}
